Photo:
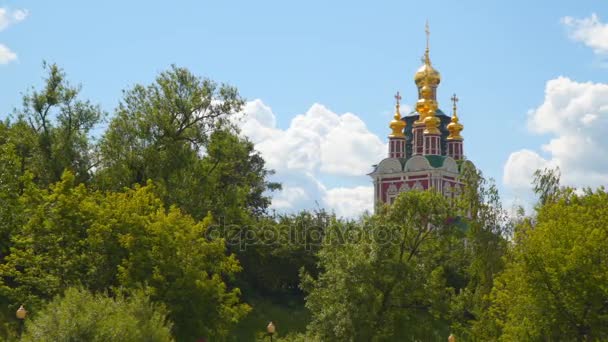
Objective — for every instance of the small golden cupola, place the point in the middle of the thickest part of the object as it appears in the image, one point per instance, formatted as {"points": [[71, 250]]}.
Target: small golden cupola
{"points": [[397, 125], [455, 127]]}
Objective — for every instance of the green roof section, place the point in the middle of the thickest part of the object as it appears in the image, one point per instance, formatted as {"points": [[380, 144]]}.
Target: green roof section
{"points": [[435, 161]]}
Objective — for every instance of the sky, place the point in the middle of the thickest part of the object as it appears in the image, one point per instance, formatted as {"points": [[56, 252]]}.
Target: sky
{"points": [[320, 76]]}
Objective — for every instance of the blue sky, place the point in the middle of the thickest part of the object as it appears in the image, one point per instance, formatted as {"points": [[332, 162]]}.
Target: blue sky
{"points": [[346, 56]]}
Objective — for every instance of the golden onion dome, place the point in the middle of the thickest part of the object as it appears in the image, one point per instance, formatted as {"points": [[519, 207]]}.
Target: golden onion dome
{"points": [[426, 74], [397, 125], [454, 126], [431, 123]]}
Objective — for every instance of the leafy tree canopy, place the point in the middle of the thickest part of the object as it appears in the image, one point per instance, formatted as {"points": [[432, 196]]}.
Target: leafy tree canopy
{"points": [[78, 315]]}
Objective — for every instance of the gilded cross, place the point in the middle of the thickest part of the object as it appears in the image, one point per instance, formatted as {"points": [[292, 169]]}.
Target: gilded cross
{"points": [[428, 33], [398, 98], [454, 99]]}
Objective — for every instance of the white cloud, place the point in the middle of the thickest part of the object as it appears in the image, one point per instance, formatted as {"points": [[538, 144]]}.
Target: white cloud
{"points": [[20, 15], [350, 202], [350, 147], [8, 17], [575, 114], [317, 143], [318, 140], [520, 168], [289, 197], [6, 55], [590, 31]]}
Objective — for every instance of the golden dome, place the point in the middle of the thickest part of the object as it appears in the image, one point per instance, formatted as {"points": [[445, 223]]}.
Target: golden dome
{"points": [[431, 122], [455, 127], [426, 74], [425, 107], [397, 125]]}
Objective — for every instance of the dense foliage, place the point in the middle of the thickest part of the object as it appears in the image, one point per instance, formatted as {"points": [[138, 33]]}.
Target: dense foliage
{"points": [[78, 315], [555, 284], [130, 212], [160, 231], [385, 279]]}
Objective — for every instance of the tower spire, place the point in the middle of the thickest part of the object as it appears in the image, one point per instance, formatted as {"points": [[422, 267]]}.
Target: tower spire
{"points": [[455, 127], [397, 125], [427, 58], [396, 140]]}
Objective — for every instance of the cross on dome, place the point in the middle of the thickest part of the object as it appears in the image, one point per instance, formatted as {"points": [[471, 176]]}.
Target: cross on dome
{"points": [[398, 98]]}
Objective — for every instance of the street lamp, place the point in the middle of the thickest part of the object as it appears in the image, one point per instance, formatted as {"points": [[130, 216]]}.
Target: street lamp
{"points": [[21, 314], [271, 329], [451, 338]]}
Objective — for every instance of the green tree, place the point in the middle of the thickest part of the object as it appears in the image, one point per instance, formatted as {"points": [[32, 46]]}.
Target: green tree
{"points": [[546, 184], [273, 250], [554, 284], [10, 188], [60, 123], [176, 131], [104, 240], [384, 280], [487, 229], [79, 315]]}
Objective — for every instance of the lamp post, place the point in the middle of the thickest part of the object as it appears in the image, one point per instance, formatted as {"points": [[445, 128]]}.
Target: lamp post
{"points": [[271, 329], [451, 338], [21, 314]]}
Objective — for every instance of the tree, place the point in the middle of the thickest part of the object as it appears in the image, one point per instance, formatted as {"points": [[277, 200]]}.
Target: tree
{"points": [[230, 181], [487, 230], [554, 284], [177, 132], [61, 124], [546, 184], [11, 183], [274, 250], [79, 315], [384, 281], [102, 240]]}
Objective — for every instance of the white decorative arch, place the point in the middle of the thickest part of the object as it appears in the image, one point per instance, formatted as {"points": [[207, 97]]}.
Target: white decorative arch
{"points": [[404, 187], [449, 164], [417, 163], [389, 165], [418, 186]]}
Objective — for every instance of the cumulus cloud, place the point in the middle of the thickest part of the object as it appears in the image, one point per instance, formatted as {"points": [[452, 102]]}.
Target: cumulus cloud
{"points": [[350, 202], [590, 31], [6, 55], [520, 168], [7, 18], [316, 144], [575, 115]]}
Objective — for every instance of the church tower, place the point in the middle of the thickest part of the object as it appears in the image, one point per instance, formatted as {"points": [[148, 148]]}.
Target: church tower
{"points": [[425, 146]]}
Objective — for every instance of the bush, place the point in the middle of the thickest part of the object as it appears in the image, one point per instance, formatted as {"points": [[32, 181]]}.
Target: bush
{"points": [[79, 315]]}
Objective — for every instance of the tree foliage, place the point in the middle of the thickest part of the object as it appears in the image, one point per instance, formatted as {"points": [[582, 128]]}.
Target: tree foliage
{"points": [[554, 284], [383, 280], [78, 315], [59, 123], [108, 240], [176, 131], [488, 228]]}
